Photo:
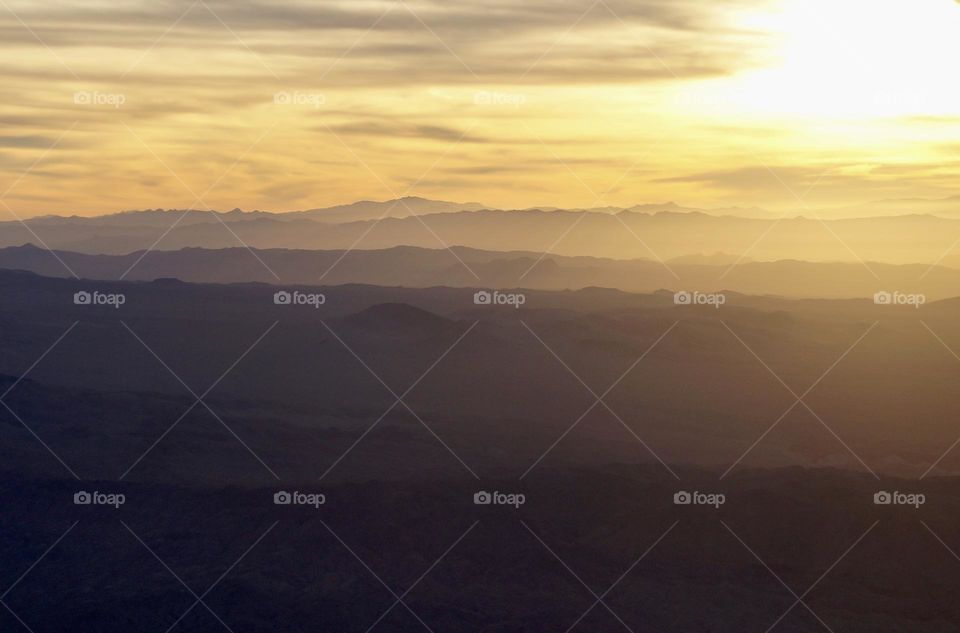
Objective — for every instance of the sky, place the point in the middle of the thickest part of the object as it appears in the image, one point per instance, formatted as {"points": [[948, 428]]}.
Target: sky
{"points": [[279, 105]]}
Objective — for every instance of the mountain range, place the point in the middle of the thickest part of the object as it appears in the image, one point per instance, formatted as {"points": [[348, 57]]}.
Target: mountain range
{"points": [[472, 268], [201, 402], [700, 396], [657, 232]]}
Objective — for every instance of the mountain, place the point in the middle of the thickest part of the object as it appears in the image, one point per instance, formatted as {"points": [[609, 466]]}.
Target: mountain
{"points": [[355, 212], [500, 396], [400, 208], [202, 404], [712, 259], [399, 319], [149, 218], [948, 207], [471, 268], [669, 232], [673, 207]]}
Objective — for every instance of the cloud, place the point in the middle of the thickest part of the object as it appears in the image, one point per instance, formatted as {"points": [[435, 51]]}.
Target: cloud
{"points": [[403, 130], [400, 80], [849, 182], [754, 178], [480, 19], [28, 142], [483, 170], [394, 43]]}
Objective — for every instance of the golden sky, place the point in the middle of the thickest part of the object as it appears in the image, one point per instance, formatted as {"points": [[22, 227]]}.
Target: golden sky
{"points": [[286, 104]]}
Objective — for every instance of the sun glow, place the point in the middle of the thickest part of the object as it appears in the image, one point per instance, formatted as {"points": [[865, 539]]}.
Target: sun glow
{"points": [[658, 100], [853, 59]]}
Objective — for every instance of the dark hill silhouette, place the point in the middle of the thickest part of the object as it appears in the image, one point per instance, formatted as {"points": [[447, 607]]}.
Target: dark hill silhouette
{"points": [[398, 317], [699, 396], [418, 267]]}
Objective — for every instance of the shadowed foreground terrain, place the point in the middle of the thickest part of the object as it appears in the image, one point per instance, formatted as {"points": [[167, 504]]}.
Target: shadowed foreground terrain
{"points": [[497, 384], [341, 567], [199, 403]]}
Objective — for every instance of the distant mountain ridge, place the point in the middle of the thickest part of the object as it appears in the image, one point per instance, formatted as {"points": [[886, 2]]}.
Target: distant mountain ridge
{"points": [[399, 208], [415, 267], [661, 231], [948, 207], [356, 211]]}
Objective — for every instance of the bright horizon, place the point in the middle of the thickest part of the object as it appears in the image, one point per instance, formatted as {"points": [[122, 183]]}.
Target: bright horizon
{"points": [[787, 105]]}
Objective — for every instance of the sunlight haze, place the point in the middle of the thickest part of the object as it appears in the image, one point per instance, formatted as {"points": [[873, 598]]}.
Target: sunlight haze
{"points": [[784, 104]]}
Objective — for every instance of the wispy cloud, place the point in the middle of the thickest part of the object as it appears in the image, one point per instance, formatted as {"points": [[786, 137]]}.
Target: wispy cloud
{"points": [[522, 81]]}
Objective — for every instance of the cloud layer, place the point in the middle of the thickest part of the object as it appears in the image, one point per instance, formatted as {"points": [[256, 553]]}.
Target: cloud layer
{"points": [[286, 103]]}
